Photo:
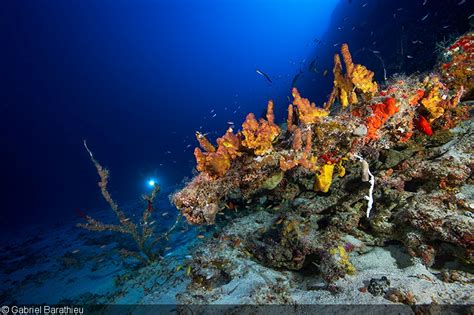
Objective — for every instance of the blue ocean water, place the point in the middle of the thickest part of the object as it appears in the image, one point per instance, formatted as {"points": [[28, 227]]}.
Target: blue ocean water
{"points": [[137, 80]]}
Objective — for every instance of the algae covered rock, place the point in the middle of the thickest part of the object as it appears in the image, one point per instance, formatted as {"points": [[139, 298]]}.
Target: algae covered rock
{"points": [[273, 181], [391, 167]]}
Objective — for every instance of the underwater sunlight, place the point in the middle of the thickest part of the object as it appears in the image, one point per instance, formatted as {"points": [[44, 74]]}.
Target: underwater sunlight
{"points": [[237, 157]]}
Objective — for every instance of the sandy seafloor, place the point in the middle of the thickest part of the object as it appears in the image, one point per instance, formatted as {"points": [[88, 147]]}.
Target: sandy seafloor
{"points": [[66, 264]]}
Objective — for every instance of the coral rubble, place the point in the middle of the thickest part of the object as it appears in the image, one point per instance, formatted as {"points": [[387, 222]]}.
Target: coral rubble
{"points": [[390, 150]]}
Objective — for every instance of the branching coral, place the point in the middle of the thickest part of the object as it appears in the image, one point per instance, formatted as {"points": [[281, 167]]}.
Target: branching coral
{"points": [[142, 234]]}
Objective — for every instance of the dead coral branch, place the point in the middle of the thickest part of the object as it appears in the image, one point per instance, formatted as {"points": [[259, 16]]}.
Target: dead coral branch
{"points": [[142, 234]]}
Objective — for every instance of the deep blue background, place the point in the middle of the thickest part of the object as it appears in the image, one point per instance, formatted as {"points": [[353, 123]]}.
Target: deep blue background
{"points": [[138, 78]]}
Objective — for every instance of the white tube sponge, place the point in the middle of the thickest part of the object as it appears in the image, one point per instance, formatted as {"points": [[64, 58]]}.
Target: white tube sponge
{"points": [[367, 176]]}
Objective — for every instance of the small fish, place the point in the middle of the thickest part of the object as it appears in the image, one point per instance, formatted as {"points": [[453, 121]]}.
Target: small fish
{"points": [[178, 268], [376, 51], [212, 111], [230, 123], [200, 236], [295, 79], [230, 205], [263, 74], [188, 257], [168, 248], [425, 17], [164, 214], [168, 152], [214, 115], [152, 222], [188, 146], [364, 5], [445, 26], [103, 246], [75, 251], [394, 15], [246, 252], [409, 56], [416, 41], [311, 65], [325, 73], [399, 9], [188, 270], [461, 2], [424, 2]]}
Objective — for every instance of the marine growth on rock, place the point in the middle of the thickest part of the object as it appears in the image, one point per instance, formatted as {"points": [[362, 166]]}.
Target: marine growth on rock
{"points": [[375, 168]]}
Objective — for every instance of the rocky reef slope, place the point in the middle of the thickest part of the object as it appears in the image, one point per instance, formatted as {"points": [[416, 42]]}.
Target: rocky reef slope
{"points": [[377, 177]]}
